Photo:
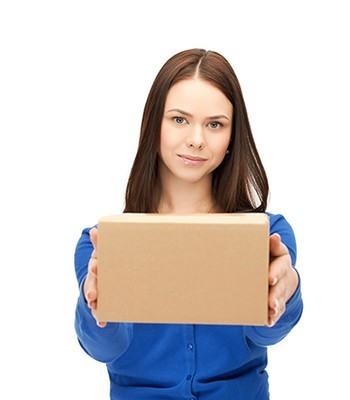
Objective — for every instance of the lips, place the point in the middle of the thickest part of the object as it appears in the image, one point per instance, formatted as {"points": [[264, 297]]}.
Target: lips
{"points": [[192, 160]]}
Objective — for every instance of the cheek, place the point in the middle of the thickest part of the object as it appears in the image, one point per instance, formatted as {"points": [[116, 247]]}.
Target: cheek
{"points": [[168, 140], [165, 144], [162, 140], [221, 147]]}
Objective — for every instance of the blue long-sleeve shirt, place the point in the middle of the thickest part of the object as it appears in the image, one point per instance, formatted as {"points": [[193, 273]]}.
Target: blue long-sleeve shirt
{"points": [[179, 361]]}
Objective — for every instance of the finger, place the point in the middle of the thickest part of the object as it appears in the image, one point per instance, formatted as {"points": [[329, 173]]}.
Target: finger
{"points": [[92, 305], [92, 267], [276, 311], [273, 300], [277, 301], [91, 297], [90, 285], [101, 324], [278, 269], [275, 315], [271, 318], [276, 296], [278, 291], [93, 237], [91, 294], [94, 254], [277, 247]]}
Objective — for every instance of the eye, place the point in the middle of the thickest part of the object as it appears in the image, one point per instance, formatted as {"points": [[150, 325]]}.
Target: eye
{"points": [[179, 120], [215, 125]]}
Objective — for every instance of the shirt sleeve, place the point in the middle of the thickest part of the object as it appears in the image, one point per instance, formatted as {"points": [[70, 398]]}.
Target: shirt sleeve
{"points": [[102, 344], [265, 336]]}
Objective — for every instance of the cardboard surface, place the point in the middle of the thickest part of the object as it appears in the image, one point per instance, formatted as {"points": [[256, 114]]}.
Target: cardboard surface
{"points": [[197, 269]]}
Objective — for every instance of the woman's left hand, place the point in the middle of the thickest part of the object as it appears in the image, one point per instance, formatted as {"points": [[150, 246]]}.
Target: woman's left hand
{"points": [[283, 279]]}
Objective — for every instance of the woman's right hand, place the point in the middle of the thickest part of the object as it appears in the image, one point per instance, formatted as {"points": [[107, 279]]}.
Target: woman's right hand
{"points": [[90, 284]]}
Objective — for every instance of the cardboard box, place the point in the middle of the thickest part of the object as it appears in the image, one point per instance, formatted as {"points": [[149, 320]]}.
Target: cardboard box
{"points": [[197, 269]]}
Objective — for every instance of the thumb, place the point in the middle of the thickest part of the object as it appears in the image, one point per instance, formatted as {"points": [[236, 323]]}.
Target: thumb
{"points": [[277, 248], [93, 237]]}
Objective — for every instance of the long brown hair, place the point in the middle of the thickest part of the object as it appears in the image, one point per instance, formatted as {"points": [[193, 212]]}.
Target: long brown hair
{"points": [[240, 182]]}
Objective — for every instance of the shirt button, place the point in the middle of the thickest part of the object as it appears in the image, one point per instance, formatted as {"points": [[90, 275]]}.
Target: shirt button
{"points": [[188, 377], [190, 347]]}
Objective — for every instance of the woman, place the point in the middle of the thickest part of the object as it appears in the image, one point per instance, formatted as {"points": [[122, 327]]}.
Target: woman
{"points": [[196, 154]]}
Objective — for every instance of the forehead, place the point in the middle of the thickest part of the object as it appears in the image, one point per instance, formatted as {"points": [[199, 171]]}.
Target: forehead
{"points": [[197, 95]]}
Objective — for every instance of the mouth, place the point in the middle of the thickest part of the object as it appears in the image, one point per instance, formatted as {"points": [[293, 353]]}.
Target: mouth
{"points": [[192, 160]]}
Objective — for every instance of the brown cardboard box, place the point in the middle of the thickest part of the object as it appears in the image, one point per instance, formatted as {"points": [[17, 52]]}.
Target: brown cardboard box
{"points": [[198, 268]]}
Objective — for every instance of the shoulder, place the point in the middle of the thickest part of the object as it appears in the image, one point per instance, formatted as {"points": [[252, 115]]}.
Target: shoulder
{"points": [[84, 240], [278, 222], [280, 225]]}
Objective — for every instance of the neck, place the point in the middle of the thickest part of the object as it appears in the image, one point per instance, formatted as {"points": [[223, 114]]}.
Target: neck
{"points": [[180, 197]]}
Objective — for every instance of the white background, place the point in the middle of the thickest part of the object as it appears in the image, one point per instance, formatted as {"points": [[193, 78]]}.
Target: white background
{"points": [[74, 76]]}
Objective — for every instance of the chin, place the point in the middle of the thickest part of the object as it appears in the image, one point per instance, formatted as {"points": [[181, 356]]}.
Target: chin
{"points": [[193, 179]]}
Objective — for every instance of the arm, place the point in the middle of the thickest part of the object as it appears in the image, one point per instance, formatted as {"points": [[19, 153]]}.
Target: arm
{"points": [[285, 301], [104, 342]]}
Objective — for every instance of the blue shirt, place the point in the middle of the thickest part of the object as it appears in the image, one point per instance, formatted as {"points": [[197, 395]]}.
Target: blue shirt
{"points": [[178, 361]]}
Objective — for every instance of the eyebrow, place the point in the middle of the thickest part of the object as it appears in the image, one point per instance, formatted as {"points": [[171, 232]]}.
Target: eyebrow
{"points": [[190, 115]]}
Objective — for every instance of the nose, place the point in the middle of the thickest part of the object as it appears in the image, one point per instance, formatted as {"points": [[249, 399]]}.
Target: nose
{"points": [[195, 139]]}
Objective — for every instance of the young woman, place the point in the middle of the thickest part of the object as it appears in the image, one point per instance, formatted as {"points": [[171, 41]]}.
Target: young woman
{"points": [[196, 154]]}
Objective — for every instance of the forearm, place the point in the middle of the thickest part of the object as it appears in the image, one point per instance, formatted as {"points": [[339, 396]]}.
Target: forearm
{"points": [[103, 344]]}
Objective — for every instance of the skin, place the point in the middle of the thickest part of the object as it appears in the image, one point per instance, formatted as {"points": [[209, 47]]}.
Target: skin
{"points": [[195, 134], [197, 122]]}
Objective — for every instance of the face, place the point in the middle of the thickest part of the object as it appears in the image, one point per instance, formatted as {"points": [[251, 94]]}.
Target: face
{"points": [[195, 131]]}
